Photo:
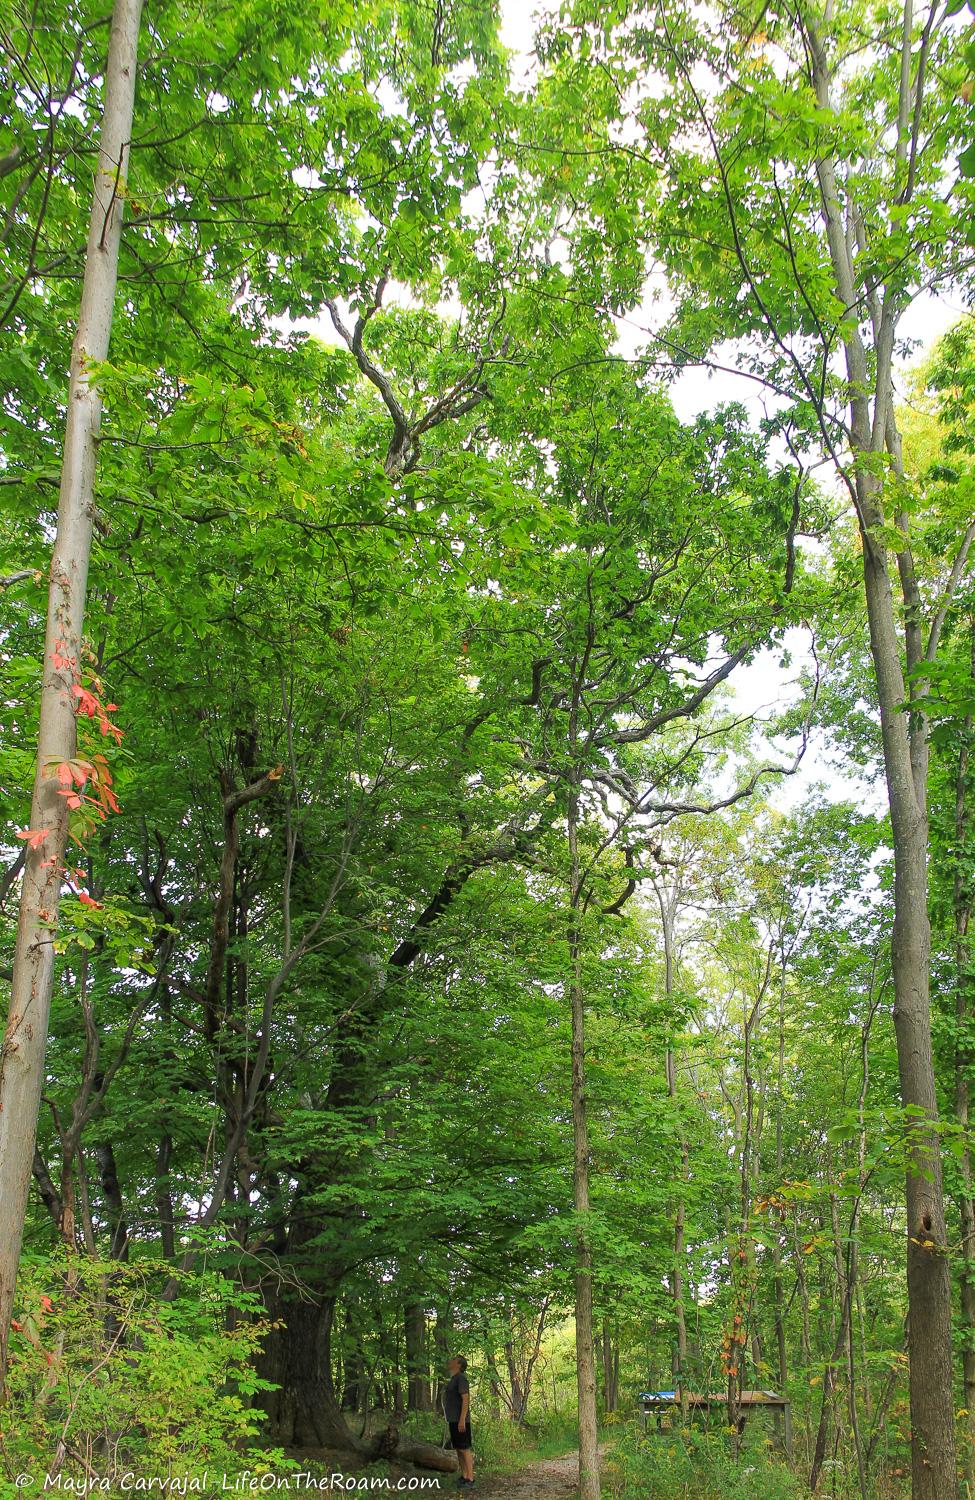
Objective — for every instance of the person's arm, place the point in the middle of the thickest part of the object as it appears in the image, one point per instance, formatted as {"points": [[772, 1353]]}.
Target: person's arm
{"points": [[465, 1406]]}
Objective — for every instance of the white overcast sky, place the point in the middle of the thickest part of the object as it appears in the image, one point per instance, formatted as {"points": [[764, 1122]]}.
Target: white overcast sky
{"points": [[765, 684]]}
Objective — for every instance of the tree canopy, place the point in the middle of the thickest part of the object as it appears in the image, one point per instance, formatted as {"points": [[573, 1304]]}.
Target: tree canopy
{"points": [[420, 943]]}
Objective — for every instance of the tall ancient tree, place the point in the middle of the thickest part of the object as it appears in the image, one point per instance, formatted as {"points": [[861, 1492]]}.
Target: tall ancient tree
{"points": [[426, 628]]}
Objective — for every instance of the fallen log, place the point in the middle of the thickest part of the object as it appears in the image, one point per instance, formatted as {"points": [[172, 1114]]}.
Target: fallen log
{"points": [[388, 1443], [393, 1444]]}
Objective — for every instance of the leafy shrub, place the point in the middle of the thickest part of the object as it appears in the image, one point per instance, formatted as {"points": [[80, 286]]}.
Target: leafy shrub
{"points": [[107, 1376], [694, 1465]]}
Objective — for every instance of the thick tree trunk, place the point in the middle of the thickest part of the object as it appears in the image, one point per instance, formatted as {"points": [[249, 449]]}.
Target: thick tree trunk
{"points": [[22, 1059], [304, 1411]]}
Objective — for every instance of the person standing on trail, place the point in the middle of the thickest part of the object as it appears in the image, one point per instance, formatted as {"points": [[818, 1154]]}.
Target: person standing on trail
{"points": [[457, 1410]]}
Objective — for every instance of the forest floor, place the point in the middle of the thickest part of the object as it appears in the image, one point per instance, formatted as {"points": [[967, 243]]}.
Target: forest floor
{"points": [[543, 1479], [548, 1479]]}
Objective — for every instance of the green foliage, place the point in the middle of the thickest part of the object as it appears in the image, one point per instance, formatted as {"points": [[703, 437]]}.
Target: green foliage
{"points": [[445, 579], [105, 1373], [695, 1466]]}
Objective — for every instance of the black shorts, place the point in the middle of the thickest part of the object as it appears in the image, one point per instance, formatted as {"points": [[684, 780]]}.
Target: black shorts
{"points": [[460, 1439]]}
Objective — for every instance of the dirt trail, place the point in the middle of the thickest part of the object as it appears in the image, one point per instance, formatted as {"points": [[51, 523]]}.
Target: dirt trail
{"points": [[550, 1479]]}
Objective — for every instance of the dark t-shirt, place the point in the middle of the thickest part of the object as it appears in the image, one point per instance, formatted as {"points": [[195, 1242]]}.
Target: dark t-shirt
{"points": [[456, 1387]]}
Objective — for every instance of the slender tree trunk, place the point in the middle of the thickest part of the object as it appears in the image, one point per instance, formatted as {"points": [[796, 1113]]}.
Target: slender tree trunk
{"points": [[805, 1337], [778, 1291], [441, 1344], [928, 1274], [353, 1367], [829, 1389], [519, 1398], [874, 441], [50, 1196], [494, 1378], [164, 1199], [417, 1369], [22, 1059], [677, 1275], [112, 1193], [611, 1364], [742, 1247], [963, 896], [589, 1486]]}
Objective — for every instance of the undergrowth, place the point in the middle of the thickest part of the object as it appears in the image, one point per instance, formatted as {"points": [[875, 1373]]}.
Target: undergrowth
{"points": [[693, 1465]]}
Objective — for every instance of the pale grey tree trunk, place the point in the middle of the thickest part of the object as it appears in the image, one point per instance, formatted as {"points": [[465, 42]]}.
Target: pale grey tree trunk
{"points": [[963, 900], [589, 1486], [22, 1057], [896, 642], [667, 917]]}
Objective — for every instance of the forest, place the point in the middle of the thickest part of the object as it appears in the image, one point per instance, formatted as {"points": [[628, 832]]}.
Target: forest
{"points": [[487, 748]]}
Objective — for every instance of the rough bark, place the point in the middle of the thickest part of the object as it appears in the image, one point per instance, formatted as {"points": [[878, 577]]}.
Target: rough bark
{"points": [[22, 1059], [304, 1411], [112, 1193]]}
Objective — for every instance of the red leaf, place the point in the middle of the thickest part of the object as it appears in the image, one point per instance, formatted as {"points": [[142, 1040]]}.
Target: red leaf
{"points": [[34, 836], [87, 702]]}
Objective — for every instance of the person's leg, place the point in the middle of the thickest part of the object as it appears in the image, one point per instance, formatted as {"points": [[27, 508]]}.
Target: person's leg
{"points": [[455, 1444], [467, 1455]]}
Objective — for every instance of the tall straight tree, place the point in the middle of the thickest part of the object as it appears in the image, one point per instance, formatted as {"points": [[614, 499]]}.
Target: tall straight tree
{"points": [[646, 622], [803, 208], [22, 1059]]}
